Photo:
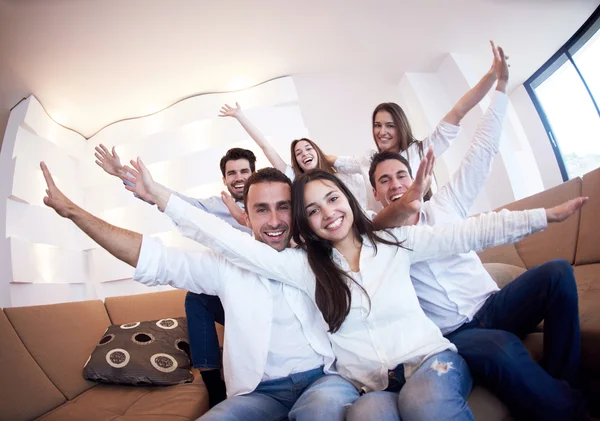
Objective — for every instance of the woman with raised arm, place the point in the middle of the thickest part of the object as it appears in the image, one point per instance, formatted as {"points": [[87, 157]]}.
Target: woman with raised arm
{"points": [[359, 280], [305, 155], [392, 130]]}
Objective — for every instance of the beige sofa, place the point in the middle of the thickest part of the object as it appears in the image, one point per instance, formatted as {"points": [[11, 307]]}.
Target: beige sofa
{"points": [[44, 348]]}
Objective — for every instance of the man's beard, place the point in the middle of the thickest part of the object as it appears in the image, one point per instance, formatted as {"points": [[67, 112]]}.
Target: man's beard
{"points": [[237, 197]]}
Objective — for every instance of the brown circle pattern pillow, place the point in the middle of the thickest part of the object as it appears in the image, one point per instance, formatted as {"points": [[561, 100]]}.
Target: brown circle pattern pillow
{"points": [[142, 353]]}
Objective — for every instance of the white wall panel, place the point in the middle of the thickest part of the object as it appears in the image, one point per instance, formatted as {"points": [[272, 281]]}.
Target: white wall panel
{"points": [[41, 263]]}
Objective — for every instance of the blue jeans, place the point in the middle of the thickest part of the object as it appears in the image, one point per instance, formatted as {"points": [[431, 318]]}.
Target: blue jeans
{"points": [[491, 344], [311, 395], [437, 390], [202, 311]]}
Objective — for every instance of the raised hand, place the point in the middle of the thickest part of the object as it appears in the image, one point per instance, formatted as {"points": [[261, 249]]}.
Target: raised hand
{"points": [[413, 197], [236, 212], [563, 211], [229, 111], [109, 162], [499, 65], [54, 198]]}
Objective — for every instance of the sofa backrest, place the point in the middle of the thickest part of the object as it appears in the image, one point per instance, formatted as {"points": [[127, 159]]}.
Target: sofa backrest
{"points": [[588, 244], [558, 241], [152, 306], [143, 307], [25, 391], [60, 338]]}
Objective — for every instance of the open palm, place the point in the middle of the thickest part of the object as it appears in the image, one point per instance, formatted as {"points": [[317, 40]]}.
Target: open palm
{"points": [[229, 111]]}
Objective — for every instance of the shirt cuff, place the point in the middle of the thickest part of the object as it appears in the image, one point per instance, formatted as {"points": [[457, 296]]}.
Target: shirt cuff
{"points": [[176, 208], [448, 127], [538, 219], [145, 270], [499, 100]]}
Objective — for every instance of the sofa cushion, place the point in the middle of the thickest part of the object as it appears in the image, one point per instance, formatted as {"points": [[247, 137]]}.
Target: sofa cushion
{"points": [[588, 243], [152, 306], [61, 337], [588, 286], [25, 391], [135, 403], [502, 273], [155, 305], [558, 241], [506, 254], [142, 353]]}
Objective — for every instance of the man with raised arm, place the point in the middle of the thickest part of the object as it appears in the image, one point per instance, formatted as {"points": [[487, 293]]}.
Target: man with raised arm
{"points": [[458, 294], [278, 362]]}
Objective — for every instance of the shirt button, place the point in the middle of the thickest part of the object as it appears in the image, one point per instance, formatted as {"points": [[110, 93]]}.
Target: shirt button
{"points": [[392, 374]]}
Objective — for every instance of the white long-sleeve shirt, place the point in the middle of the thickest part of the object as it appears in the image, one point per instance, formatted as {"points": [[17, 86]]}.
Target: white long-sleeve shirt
{"points": [[273, 330], [452, 289], [355, 182], [395, 330], [439, 139]]}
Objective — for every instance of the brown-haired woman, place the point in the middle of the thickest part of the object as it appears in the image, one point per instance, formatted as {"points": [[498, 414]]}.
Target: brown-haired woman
{"points": [[305, 155]]}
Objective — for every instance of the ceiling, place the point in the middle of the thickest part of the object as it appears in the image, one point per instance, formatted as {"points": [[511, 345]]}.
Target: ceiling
{"points": [[92, 62]]}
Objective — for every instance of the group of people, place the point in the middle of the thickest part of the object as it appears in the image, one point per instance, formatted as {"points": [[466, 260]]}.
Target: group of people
{"points": [[337, 312]]}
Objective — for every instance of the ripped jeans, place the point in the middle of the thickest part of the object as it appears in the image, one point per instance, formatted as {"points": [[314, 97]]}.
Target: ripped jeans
{"points": [[437, 390]]}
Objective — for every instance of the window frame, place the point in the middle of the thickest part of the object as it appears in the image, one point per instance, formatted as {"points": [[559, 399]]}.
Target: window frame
{"points": [[564, 54]]}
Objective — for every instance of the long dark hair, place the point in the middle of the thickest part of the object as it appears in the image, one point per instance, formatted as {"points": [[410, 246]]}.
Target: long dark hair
{"points": [[323, 164], [332, 294], [403, 129]]}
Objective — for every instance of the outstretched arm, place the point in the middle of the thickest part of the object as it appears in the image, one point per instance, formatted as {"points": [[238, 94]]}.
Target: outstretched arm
{"points": [[123, 244], [483, 231], [461, 191], [255, 134], [289, 266], [476, 94]]}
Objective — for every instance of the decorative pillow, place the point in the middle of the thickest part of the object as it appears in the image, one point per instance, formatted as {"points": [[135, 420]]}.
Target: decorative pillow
{"points": [[142, 353]]}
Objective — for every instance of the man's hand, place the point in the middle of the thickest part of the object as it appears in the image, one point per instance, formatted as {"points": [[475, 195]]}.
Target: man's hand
{"points": [[228, 111], [236, 212], [563, 211], [413, 198], [109, 162], [144, 185], [54, 198]]}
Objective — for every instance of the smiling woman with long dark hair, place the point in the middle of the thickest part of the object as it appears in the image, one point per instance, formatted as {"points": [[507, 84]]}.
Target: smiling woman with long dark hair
{"points": [[359, 280]]}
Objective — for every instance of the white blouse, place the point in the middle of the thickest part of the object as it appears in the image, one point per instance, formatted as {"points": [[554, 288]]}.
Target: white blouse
{"points": [[394, 330], [439, 139], [354, 182]]}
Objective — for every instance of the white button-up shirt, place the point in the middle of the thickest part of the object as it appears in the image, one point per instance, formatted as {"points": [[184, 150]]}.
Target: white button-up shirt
{"points": [[452, 289], [394, 330], [354, 182], [439, 139], [248, 301]]}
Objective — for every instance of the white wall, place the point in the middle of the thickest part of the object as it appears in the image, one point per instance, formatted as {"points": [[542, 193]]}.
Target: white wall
{"points": [[337, 110], [46, 258]]}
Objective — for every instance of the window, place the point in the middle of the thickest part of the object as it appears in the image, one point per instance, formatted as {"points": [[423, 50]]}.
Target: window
{"points": [[566, 93]]}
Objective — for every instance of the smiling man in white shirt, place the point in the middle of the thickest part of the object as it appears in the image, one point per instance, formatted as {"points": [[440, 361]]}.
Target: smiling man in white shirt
{"points": [[458, 294], [277, 359]]}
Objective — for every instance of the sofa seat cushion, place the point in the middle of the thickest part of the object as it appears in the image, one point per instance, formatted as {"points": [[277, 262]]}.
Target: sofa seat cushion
{"points": [[134, 403], [142, 353], [486, 406]]}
